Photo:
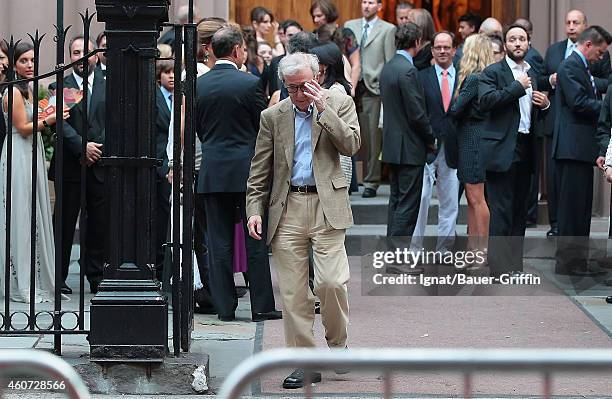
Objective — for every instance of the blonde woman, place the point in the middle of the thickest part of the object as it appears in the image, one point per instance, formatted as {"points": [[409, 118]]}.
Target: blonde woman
{"points": [[477, 55]]}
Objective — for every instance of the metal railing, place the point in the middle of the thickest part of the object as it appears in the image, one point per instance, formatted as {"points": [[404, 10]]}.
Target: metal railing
{"points": [[33, 364], [390, 361]]}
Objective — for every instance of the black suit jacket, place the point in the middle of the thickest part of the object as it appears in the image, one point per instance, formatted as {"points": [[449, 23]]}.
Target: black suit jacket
{"points": [[167, 37], [499, 94], [228, 105], [578, 113], [554, 57], [274, 82], [406, 129], [441, 122], [73, 129], [162, 125], [535, 60]]}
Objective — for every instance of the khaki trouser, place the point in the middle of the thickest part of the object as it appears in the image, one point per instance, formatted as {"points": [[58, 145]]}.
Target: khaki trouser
{"points": [[303, 225], [368, 112]]}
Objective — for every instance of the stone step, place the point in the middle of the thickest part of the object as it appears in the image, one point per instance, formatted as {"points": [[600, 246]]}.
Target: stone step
{"points": [[359, 236], [372, 211]]}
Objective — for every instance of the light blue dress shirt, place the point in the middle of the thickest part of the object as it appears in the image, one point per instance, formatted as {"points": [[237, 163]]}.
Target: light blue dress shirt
{"points": [[451, 76], [167, 97], [586, 64], [582, 57], [406, 55], [570, 46], [302, 174]]}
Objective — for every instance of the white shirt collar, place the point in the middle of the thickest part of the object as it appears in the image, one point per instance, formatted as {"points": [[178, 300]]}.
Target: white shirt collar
{"points": [[103, 66], [570, 43], [302, 113], [522, 67], [226, 62], [79, 80], [370, 23]]}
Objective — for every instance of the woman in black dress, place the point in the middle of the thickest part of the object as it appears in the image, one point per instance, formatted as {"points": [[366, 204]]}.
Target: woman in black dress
{"points": [[477, 55]]}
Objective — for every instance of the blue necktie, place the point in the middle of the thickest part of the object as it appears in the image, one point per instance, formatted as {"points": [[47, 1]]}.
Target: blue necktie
{"points": [[592, 82]]}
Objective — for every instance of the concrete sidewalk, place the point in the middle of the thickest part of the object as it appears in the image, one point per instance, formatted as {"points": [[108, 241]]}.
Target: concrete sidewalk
{"points": [[569, 314]]}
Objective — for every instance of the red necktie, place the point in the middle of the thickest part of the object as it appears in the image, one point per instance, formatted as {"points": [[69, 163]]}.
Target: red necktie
{"points": [[446, 94]]}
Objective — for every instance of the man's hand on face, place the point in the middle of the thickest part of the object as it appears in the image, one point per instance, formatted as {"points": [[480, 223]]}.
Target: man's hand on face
{"points": [[317, 94]]}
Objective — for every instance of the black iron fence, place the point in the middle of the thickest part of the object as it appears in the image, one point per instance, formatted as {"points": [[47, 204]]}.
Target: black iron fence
{"points": [[57, 320]]}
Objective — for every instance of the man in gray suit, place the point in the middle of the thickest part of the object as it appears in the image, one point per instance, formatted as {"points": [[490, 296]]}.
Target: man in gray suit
{"points": [[376, 40]]}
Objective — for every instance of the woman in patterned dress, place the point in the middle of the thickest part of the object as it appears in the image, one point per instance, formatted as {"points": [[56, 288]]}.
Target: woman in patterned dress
{"points": [[477, 55]]}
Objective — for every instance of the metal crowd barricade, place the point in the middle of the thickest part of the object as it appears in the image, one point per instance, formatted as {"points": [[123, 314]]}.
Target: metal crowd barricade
{"points": [[33, 363], [466, 361]]}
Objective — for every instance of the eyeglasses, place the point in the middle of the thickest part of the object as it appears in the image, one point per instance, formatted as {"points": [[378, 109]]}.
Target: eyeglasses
{"points": [[292, 89]]}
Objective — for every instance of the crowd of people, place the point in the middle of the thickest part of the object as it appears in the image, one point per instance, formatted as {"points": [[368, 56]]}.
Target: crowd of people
{"points": [[280, 125]]}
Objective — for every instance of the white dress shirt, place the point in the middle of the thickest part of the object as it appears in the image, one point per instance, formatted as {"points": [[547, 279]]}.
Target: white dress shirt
{"points": [[570, 47], [525, 102], [79, 80], [369, 23]]}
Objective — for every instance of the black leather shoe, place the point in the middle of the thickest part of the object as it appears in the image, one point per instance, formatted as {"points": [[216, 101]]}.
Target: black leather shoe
{"points": [[553, 232], [273, 315], [230, 317], [93, 285], [296, 379], [317, 307], [340, 371], [66, 290], [241, 291], [369, 193]]}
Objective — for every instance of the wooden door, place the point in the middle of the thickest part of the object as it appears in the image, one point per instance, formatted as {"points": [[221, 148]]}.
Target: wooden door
{"points": [[299, 10]]}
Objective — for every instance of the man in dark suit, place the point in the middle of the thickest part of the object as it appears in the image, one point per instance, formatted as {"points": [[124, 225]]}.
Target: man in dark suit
{"points": [[165, 79], [407, 132], [533, 57], [508, 91], [439, 83], [535, 60], [575, 148], [94, 219], [575, 24], [228, 107]]}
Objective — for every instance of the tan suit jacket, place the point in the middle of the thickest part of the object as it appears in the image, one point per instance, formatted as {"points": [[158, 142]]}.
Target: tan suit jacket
{"points": [[336, 132], [378, 49]]}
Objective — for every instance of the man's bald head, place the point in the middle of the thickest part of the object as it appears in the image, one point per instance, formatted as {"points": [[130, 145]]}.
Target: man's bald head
{"points": [[182, 14], [575, 23], [491, 26]]}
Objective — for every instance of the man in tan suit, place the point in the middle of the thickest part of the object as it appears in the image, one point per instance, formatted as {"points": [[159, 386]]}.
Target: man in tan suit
{"points": [[296, 178], [376, 40]]}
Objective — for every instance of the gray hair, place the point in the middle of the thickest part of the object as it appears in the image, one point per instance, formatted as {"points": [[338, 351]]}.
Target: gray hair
{"points": [[291, 64]]}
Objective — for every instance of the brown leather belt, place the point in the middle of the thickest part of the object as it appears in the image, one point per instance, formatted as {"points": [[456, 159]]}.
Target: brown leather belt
{"points": [[303, 189]]}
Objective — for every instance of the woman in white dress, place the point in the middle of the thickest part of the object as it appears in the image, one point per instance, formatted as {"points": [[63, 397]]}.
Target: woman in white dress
{"points": [[21, 193]]}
